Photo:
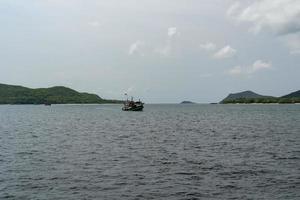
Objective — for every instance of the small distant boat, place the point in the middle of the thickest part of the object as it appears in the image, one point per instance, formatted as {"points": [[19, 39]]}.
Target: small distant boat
{"points": [[133, 105]]}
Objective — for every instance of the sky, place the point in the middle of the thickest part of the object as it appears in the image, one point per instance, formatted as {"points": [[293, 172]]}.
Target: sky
{"points": [[162, 51]]}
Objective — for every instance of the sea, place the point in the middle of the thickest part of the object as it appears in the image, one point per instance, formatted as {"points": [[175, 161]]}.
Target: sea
{"points": [[168, 151]]}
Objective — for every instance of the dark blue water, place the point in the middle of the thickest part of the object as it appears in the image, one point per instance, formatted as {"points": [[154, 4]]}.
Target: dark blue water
{"points": [[165, 152]]}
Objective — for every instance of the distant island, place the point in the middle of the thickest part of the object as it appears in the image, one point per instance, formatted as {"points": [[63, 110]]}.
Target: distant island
{"points": [[248, 97], [12, 94], [187, 102]]}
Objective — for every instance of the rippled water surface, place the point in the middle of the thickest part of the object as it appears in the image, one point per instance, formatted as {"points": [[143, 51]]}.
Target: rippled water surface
{"points": [[164, 152]]}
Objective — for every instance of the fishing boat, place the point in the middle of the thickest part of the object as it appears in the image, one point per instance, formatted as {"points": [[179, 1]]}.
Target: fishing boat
{"points": [[131, 105]]}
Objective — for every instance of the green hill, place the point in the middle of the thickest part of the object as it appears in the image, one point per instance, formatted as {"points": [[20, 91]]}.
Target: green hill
{"points": [[247, 97], [245, 94], [292, 95], [11, 94]]}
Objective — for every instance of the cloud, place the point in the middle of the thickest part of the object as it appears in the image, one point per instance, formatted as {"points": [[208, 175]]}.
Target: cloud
{"points": [[167, 48], [94, 23], [235, 71], [279, 16], [172, 31], [258, 65], [164, 51], [225, 52], [129, 90], [136, 48], [233, 9], [208, 46]]}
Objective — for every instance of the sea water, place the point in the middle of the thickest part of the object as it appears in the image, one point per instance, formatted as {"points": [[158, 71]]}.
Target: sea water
{"points": [[164, 152]]}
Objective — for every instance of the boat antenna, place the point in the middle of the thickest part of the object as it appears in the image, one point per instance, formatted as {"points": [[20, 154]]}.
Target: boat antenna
{"points": [[126, 96]]}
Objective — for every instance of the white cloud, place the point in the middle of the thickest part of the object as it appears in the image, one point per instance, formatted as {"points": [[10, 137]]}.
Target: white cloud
{"points": [[225, 52], [235, 71], [258, 65], [208, 46], [278, 16], [172, 31], [130, 89], [233, 9], [167, 49], [135, 48], [164, 51], [94, 23]]}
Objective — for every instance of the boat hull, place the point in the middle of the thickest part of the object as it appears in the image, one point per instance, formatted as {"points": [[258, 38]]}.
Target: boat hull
{"points": [[137, 108]]}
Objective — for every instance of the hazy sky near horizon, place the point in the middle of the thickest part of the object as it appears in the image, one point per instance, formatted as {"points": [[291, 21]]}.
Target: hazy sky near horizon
{"points": [[160, 51]]}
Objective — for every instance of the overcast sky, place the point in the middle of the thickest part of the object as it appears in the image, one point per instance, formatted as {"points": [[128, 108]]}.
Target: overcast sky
{"points": [[158, 50]]}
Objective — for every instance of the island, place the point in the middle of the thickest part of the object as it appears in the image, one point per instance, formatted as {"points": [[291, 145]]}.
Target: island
{"points": [[187, 102], [12, 94], [248, 97]]}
